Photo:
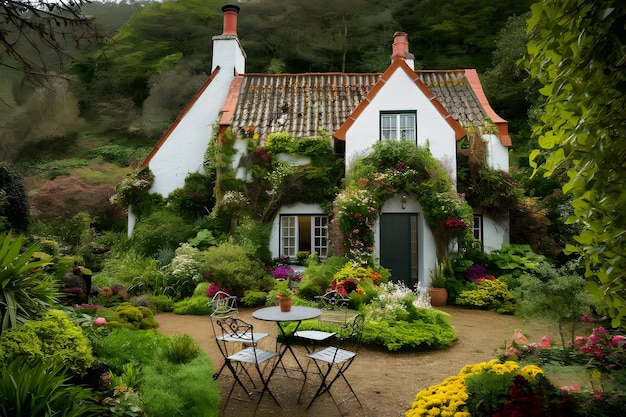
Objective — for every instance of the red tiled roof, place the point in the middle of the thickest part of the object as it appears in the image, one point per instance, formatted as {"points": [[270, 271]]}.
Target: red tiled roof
{"points": [[302, 104]]}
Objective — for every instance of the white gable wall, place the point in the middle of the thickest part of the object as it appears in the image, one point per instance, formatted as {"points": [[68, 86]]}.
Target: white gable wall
{"points": [[183, 151], [398, 94], [497, 153]]}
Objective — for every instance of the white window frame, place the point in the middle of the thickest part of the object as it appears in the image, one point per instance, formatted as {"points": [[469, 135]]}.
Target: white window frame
{"points": [[400, 125], [290, 235], [477, 228]]}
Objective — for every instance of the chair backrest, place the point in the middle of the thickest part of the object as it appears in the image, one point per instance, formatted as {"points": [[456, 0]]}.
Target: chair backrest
{"points": [[332, 300], [334, 308], [352, 331], [234, 329], [224, 305]]}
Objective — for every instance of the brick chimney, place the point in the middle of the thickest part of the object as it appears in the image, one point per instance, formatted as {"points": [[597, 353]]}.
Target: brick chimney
{"points": [[400, 49], [227, 51], [230, 19]]}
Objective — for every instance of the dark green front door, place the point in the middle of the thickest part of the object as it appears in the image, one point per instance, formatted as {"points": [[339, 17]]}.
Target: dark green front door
{"points": [[398, 246]]}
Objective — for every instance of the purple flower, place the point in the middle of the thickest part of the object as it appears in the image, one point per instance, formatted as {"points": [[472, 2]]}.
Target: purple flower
{"points": [[475, 272]]}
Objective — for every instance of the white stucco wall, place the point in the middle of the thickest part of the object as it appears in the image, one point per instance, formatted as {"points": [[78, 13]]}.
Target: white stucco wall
{"points": [[398, 94], [426, 256], [183, 151], [299, 209], [497, 153], [495, 233]]}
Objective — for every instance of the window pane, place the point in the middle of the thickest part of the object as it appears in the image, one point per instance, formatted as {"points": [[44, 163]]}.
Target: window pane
{"points": [[388, 126], [407, 126], [288, 233], [320, 236]]}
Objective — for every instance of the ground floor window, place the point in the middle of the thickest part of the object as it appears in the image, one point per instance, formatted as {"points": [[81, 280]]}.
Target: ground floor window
{"points": [[299, 233], [477, 228]]}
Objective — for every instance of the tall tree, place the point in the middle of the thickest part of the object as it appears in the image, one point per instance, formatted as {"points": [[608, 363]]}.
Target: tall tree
{"points": [[578, 53]]}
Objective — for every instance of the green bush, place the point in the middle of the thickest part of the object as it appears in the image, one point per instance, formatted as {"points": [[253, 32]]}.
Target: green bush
{"points": [[160, 303], [554, 295], [133, 317], [196, 306], [317, 278], [170, 390], [253, 298], [201, 289], [490, 294], [124, 346], [34, 389], [181, 349], [25, 291], [16, 209], [133, 271], [160, 230], [195, 198], [54, 340], [229, 266]]}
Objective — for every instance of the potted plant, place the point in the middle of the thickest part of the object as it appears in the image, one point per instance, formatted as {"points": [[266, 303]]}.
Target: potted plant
{"points": [[438, 291], [281, 295]]}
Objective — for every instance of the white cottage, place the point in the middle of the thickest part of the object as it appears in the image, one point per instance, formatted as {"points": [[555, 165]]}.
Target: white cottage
{"points": [[431, 108]]}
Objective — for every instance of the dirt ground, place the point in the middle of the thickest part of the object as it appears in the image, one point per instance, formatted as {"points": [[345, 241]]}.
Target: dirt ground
{"points": [[385, 382]]}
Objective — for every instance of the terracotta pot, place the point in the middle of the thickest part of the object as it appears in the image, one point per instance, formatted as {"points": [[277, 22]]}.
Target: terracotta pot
{"points": [[285, 304], [438, 296]]}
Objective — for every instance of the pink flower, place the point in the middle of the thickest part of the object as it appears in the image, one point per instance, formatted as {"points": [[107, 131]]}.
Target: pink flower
{"points": [[545, 342], [586, 319], [571, 388], [511, 351], [519, 338], [98, 321]]}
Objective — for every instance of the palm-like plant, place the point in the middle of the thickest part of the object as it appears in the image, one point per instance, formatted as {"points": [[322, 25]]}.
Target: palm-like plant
{"points": [[25, 289]]}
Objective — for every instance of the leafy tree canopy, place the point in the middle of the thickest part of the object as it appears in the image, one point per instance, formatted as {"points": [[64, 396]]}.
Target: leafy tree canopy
{"points": [[578, 53]]}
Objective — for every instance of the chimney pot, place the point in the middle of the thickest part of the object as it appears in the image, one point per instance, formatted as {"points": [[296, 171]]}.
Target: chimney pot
{"points": [[230, 19], [400, 47]]}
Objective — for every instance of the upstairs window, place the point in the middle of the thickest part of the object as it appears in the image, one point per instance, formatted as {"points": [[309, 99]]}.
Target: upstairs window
{"points": [[398, 126], [303, 233]]}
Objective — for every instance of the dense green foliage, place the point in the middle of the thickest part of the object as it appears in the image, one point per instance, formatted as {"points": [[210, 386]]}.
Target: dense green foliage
{"points": [[32, 389], [25, 290], [14, 207], [576, 53], [54, 340]]}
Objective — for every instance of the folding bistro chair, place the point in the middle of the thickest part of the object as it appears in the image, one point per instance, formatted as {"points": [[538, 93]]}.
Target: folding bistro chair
{"points": [[238, 361], [335, 311], [333, 362], [225, 305]]}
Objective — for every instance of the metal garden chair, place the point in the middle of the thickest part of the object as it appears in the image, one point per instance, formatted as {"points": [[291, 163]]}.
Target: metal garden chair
{"points": [[243, 361], [224, 305], [333, 362]]}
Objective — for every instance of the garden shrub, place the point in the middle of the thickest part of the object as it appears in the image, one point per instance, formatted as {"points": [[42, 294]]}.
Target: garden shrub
{"points": [[230, 267], [133, 317], [253, 298], [514, 259], [184, 273], [160, 303], [181, 349], [54, 340], [317, 277], [170, 390], [137, 273], [125, 346], [160, 230], [195, 198], [16, 209], [254, 237], [490, 294], [33, 389], [554, 295], [201, 289], [197, 306]]}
